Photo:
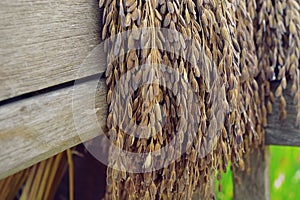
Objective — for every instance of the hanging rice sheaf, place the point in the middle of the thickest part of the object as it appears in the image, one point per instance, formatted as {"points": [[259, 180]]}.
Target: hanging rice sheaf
{"points": [[277, 40], [199, 71]]}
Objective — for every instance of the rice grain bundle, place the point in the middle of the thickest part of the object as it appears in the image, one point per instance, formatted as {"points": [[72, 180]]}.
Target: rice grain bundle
{"points": [[277, 40], [213, 92]]}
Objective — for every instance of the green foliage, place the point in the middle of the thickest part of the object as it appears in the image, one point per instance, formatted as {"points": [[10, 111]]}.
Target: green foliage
{"points": [[227, 186], [284, 175], [285, 172]]}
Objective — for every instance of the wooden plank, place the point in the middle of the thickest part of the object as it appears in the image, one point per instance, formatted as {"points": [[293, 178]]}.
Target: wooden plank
{"points": [[37, 128], [286, 132], [253, 184], [43, 43], [200, 192]]}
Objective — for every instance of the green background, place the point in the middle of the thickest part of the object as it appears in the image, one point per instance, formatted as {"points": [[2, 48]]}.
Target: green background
{"points": [[284, 175]]}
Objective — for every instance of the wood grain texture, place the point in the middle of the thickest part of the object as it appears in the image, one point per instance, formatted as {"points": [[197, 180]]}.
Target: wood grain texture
{"points": [[253, 183], [37, 128], [284, 133], [43, 43]]}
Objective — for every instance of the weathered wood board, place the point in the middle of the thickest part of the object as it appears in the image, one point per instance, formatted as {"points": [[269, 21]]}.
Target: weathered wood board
{"points": [[37, 128], [43, 43], [253, 183]]}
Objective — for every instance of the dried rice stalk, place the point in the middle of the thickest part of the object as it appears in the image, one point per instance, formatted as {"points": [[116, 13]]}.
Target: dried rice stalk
{"points": [[39, 181], [71, 174], [10, 186]]}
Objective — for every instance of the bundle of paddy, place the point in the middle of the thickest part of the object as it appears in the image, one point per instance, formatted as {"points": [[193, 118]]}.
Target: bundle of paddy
{"points": [[277, 38], [210, 94]]}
